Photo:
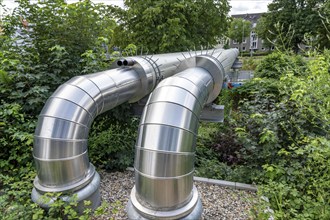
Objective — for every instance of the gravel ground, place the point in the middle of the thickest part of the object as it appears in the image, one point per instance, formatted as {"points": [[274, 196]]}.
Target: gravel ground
{"points": [[218, 202]]}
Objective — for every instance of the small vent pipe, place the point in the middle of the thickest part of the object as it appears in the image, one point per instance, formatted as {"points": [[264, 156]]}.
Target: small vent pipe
{"points": [[165, 147]]}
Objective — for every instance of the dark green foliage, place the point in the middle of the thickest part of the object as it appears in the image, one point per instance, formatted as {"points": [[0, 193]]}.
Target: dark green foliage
{"points": [[297, 18], [324, 32], [27, 82], [111, 143], [278, 129], [275, 64], [16, 203], [255, 54], [76, 27], [169, 26], [16, 139]]}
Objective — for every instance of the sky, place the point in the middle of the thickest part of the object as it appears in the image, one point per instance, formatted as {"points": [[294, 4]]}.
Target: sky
{"points": [[248, 6], [238, 6]]}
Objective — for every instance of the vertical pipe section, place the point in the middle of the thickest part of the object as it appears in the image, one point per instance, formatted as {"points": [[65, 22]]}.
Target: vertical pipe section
{"points": [[167, 136], [165, 148]]}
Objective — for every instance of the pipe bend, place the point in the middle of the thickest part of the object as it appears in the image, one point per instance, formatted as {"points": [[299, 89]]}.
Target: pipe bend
{"points": [[60, 139], [171, 114], [164, 158]]}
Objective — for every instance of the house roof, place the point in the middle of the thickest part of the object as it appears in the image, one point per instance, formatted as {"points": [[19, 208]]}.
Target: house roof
{"points": [[253, 17]]}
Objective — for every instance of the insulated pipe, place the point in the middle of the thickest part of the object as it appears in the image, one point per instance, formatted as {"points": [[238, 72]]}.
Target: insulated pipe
{"points": [[60, 140], [129, 62], [165, 147]]}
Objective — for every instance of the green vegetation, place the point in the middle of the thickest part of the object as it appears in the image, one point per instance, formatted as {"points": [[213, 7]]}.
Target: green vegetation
{"points": [[171, 26], [294, 21], [276, 129], [239, 29], [60, 41], [276, 134]]}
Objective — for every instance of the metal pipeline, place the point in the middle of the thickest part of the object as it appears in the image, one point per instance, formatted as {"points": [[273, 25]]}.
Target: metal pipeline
{"points": [[165, 147], [60, 140]]}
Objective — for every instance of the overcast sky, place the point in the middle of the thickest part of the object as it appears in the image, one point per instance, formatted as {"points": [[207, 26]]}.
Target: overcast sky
{"points": [[238, 6]]}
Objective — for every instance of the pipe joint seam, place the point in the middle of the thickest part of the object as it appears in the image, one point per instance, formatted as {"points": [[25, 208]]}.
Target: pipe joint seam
{"points": [[148, 72]]}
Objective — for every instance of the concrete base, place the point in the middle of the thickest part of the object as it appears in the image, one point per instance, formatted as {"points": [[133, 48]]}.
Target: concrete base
{"points": [[192, 210], [90, 192]]}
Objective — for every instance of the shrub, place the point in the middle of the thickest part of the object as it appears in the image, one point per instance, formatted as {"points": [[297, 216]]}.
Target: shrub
{"points": [[32, 65], [15, 201], [283, 127], [250, 63], [16, 139], [276, 64], [112, 144]]}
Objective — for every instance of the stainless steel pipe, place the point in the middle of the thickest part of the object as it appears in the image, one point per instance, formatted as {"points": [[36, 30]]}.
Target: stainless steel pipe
{"points": [[60, 141], [165, 147]]}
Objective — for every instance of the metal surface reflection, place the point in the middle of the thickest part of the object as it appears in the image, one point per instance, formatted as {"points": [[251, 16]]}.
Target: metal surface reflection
{"points": [[165, 147], [167, 134]]}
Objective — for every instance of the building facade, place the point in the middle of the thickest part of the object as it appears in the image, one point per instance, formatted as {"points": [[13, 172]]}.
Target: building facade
{"points": [[252, 43]]}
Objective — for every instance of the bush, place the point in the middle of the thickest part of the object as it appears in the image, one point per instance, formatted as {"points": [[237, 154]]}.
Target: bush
{"points": [[275, 64], [250, 63], [33, 63], [16, 139], [112, 144], [276, 134], [280, 128], [16, 203]]}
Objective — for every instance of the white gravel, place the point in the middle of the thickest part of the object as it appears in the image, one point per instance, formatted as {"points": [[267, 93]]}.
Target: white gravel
{"points": [[220, 203]]}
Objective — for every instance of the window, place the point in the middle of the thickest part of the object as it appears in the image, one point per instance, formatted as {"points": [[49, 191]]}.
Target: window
{"points": [[244, 49], [253, 36], [235, 42], [244, 41]]}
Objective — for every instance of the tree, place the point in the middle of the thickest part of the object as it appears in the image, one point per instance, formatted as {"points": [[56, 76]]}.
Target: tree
{"points": [[76, 27], [324, 32], [262, 30], [300, 17], [45, 44], [239, 29], [173, 25]]}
